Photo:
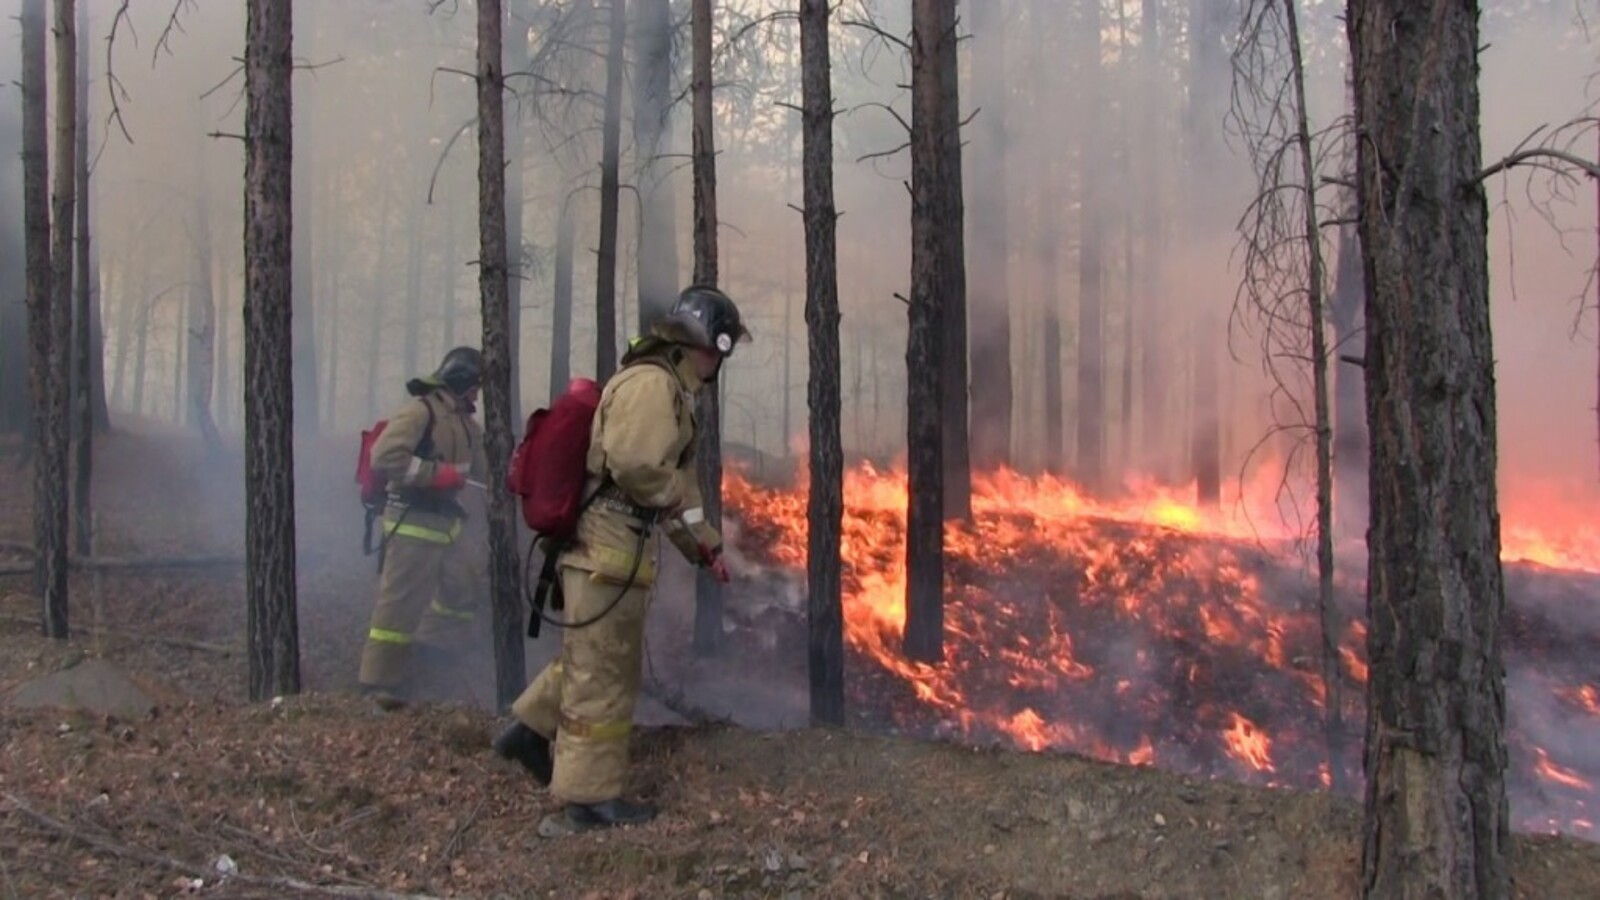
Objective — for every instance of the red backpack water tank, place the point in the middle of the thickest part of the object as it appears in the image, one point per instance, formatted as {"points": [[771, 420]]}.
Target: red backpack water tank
{"points": [[549, 467]]}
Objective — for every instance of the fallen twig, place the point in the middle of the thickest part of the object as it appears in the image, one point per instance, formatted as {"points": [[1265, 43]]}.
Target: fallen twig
{"points": [[204, 646], [107, 845]]}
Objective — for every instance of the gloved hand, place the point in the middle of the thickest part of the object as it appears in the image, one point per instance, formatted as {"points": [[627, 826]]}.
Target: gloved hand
{"points": [[715, 563], [447, 477]]}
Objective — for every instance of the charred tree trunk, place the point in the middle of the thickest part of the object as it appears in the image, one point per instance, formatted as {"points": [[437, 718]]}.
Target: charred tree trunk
{"points": [[47, 346], [1436, 809], [83, 346], [992, 398], [1350, 511], [652, 104], [708, 451], [202, 325], [504, 588], [957, 459], [605, 300], [561, 303], [273, 619], [307, 412], [932, 25], [825, 498], [1316, 282]]}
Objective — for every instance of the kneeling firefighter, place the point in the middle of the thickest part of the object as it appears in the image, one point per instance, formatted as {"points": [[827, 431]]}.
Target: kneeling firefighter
{"points": [[429, 585], [641, 471]]}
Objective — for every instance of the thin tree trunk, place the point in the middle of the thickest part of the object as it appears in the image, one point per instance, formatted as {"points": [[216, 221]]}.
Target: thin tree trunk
{"points": [[957, 458], [127, 307], [1048, 239], [605, 301], [227, 386], [1091, 412], [202, 323], [504, 585], [1155, 371], [46, 318], [1350, 511], [932, 24], [56, 423], [1316, 313], [1437, 822], [141, 353], [515, 60], [992, 395], [825, 498], [180, 353], [1209, 77], [84, 349], [708, 452], [561, 302], [652, 105], [273, 622]]}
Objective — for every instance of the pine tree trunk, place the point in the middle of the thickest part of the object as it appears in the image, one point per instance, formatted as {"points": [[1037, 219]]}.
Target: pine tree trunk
{"points": [[561, 302], [1155, 371], [84, 349], [605, 301], [957, 459], [1091, 413], [504, 585], [932, 25], [990, 309], [57, 421], [516, 60], [1316, 282], [652, 107], [708, 451], [47, 346], [1436, 809], [1047, 239], [273, 621], [202, 326], [825, 500]]}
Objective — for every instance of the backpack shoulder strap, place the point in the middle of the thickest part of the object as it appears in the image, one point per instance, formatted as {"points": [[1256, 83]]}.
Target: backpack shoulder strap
{"points": [[425, 443]]}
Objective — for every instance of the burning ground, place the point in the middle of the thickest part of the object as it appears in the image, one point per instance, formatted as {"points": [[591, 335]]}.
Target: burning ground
{"points": [[322, 794], [1151, 633]]}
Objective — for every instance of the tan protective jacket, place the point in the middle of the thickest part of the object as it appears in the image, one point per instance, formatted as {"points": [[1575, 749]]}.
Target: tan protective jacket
{"points": [[643, 437], [456, 438]]}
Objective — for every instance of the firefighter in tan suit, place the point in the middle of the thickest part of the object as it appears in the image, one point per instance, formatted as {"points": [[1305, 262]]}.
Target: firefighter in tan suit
{"points": [[641, 462], [429, 586]]}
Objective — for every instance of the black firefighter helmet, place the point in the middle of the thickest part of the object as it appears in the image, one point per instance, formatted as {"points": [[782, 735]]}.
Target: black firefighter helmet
{"points": [[706, 317], [460, 371]]}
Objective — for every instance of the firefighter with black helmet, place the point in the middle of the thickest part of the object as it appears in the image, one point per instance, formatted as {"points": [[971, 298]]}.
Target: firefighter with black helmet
{"points": [[573, 722], [430, 581]]}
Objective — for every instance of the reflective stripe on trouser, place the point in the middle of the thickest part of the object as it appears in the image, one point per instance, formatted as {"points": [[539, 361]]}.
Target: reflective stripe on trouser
{"points": [[586, 697], [425, 594]]}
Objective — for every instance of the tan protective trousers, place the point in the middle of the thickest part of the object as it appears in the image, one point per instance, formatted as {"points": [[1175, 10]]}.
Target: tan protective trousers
{"points": [[426, 594], [585, 698]]}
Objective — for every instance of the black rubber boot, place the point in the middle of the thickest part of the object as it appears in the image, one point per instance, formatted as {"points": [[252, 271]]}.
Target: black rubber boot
{"points": [[529, 747], [609, 814]]}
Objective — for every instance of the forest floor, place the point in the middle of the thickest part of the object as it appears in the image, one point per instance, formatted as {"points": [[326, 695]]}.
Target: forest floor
{"points": [[323, 795]]}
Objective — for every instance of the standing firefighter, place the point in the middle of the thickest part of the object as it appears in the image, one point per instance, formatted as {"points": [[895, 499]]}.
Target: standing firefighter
{"points": [[429, 581], [641, 471]]}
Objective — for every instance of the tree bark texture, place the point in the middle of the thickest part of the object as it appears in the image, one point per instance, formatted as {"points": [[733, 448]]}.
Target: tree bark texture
{"points": [[504, 585], [515, 54], [932, 24], [83, 347], [273, 618], [708, 415], [605, 303], [1436, 810], [1316, 283], [652, 105], [51, 308], [951, 220], [561, 302], [825, 499], [990, 300]]}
